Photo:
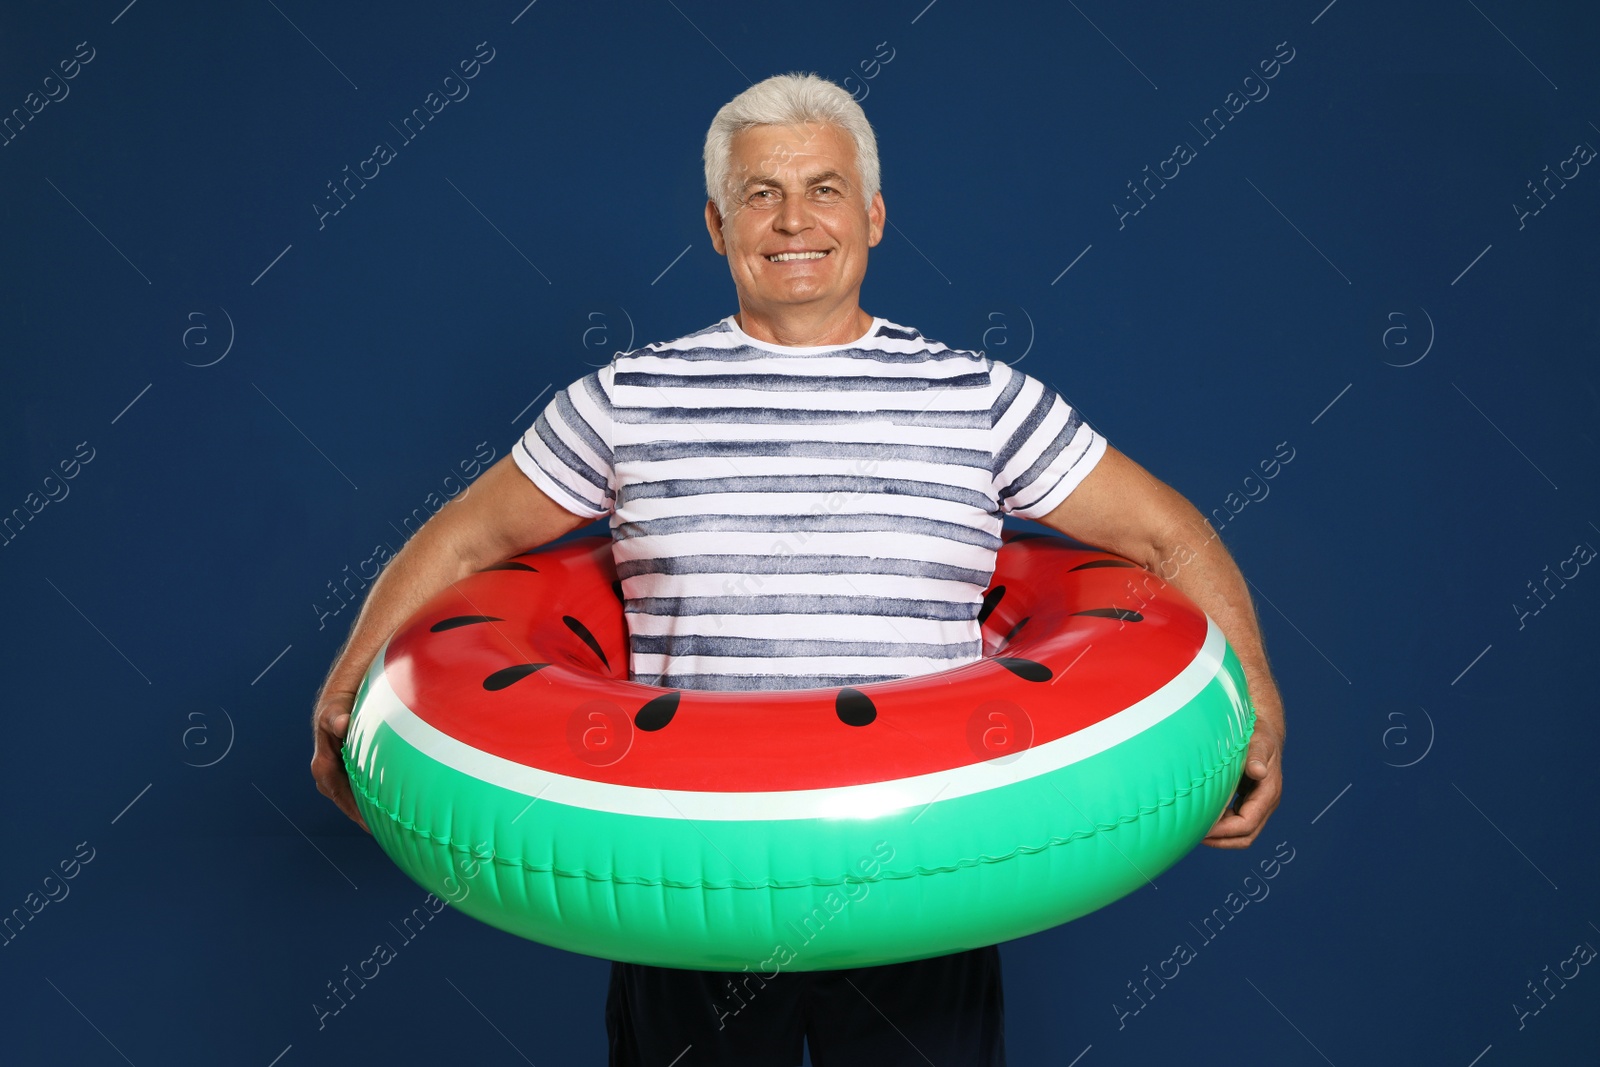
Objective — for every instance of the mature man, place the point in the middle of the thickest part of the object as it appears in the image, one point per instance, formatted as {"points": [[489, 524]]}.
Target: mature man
{"points": [[804, 494]]}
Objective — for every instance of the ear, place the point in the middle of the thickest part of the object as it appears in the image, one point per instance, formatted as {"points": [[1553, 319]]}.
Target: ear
{"points": [[714, 227], [876, 217]]}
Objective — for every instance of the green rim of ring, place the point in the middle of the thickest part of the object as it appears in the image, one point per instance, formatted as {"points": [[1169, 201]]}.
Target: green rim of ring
{"points": [[709, 894]]}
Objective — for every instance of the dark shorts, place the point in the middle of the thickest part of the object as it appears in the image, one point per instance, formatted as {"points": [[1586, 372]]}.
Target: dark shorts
{"points": [[948, 1010]]}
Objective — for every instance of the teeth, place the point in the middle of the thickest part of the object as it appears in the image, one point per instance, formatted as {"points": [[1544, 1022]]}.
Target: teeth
{"points": [[784, 257]]}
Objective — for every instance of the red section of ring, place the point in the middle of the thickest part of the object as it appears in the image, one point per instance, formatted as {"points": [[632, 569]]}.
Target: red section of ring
{"points": [[580, 717]]}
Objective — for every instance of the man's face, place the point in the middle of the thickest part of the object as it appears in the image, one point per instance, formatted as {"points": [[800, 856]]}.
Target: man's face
{"points": [[796, 189]]}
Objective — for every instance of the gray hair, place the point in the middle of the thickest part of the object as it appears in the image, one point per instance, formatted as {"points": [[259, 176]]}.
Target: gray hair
{"points": [[787, 100]]}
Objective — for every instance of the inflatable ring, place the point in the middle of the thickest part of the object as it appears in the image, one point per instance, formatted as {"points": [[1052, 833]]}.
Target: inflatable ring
{"points": [[503, 760]]}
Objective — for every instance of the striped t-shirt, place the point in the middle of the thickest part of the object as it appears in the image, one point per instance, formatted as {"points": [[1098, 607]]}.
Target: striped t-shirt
{"points": [[789, 518]]}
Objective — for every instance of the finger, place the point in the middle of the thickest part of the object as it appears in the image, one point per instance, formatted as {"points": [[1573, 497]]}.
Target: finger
{"points": [[1248, 784], [333, 781], [1259, 801], [336, 787], [1238, 825], [334, 717], [1262, 759], [1228, 809], [327, 744], [355, 813], [1236, 829], [333, 703], [1229, 828], [1230, 842]]}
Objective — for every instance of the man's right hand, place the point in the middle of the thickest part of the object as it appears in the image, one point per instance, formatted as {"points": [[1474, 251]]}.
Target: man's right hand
{"points": [[328, 725]]}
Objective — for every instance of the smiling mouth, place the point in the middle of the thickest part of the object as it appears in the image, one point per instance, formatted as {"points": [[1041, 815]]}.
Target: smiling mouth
{"points": [[791, 257]]}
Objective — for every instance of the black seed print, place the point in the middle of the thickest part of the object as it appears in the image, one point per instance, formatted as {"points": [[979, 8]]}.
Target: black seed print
{"points": [[461, 620], [1103, 563], [1006, 640], [510, 565], [854, 707], [510, 675], [588, 638], [1026, 669], [1125, 614], [991, 600], [658, 712]]}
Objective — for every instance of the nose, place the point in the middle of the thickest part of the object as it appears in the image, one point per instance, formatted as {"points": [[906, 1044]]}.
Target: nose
{"points": [[794, 216]]}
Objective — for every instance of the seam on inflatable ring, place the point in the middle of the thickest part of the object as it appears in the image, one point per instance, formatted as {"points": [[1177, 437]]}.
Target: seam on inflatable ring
{"points": [[918, 871]]}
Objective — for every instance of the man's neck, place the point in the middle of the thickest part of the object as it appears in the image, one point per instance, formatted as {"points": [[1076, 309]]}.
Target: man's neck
{"points": [[798, 328]]}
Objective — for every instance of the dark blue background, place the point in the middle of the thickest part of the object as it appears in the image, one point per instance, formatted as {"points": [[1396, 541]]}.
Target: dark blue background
{"points": [[161, 616]]}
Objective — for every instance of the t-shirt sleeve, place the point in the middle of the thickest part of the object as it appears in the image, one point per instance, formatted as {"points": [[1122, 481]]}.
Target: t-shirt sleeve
{"points": [[567, 450], [1042, 447]]}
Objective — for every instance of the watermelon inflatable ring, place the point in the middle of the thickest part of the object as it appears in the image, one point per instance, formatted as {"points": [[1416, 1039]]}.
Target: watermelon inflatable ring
{"points": [[1093, 745]]}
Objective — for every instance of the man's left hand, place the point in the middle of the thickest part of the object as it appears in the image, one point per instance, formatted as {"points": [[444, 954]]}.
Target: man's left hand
{"points": [[1260, 789]]}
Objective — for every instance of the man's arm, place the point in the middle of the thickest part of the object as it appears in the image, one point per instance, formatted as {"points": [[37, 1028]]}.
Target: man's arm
{"points": [[1123, 509], [501, 514]]}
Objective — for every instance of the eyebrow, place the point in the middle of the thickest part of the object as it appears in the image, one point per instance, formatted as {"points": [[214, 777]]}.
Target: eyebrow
{"points": [[814, 179]]}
